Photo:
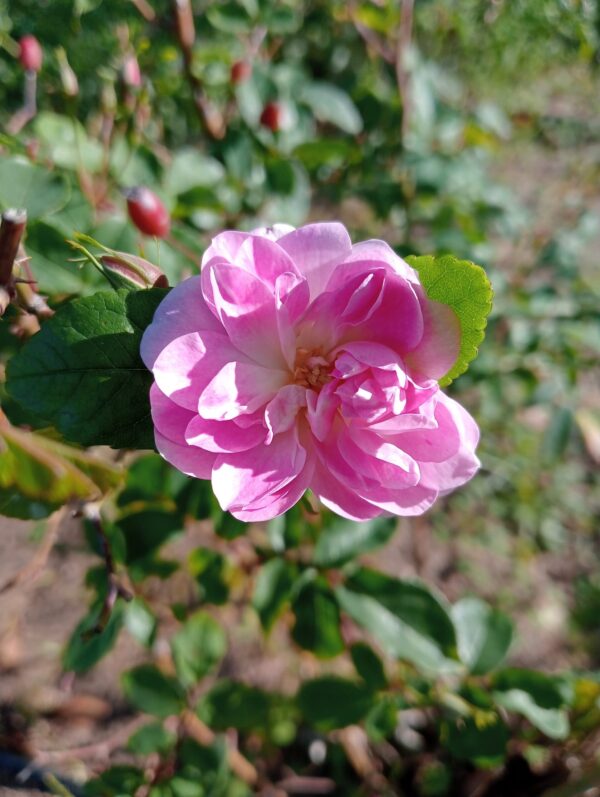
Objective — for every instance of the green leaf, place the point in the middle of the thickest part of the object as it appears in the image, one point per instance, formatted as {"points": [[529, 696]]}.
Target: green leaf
{"points": [[83, 651], [210, 571], [229, 17], [190, 169], [368, 665], [330, 104], [465, 288], [23, 185], [405, 617], [344, 540], [151, 738], [149, 690], [331, 702], [484, 745], [231, 704], [273, 589], [140, 622], [317, 626], [538, 697], [38, 474], [197, 648], [83, 371], [65, 142], [483, 634]]}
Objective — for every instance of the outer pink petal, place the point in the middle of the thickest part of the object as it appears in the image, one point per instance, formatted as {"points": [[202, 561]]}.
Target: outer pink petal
{"points": [[460, 468], [247, 310], [440, 345], [183, 310], [244, 481], [239, 389], [187, 364], [376, 250], [188, 459], [409, 502], [336, 496], [169, 418], [316, 249], [280, 501], [223, 436], [170, 422], [379, 459], [225, 246]]}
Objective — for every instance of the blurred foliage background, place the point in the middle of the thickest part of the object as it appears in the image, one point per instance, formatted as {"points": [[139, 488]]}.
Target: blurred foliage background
{"points": [[462, 126]]}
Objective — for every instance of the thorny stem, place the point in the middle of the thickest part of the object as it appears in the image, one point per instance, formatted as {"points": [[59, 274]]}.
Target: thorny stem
{"points": [[402, 73], [210, 118], [11, 231], [115, 588]]}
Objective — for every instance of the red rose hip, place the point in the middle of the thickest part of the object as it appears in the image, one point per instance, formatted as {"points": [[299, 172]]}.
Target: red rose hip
{"points": [[147, 212], [30, 53], [271, 116], [240, 72]]}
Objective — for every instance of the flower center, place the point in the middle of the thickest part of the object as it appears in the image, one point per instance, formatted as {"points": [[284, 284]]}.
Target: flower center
{"points": [[312, 369]]}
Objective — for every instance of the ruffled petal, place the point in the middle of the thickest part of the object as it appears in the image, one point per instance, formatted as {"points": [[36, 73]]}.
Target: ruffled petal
{"points": [[243, 481], [183, 310], [188, 363], [317, 249], [224, 436], [239, 389]]}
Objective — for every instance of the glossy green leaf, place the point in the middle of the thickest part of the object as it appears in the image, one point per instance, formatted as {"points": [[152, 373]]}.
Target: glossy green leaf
{"points": [[368, 665], [149, 690], [406, 618], [197, 648], [332, 702], [330, 104], [229, 17], [465, 288], [483, 744], [317, 613], [540, 698], [209, 568], [83, 371], [84, 650], [231, 704], [483, 634], [273, 589], [24, 185], [343, 540], [151, 738]]}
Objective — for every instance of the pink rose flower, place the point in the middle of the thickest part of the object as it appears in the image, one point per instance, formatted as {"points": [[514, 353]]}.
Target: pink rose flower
{"points": [[298, 361]]}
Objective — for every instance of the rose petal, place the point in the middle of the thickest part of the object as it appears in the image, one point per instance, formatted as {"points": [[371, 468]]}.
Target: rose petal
{"points": [[239, 388], [183, 310], [243, 481], [223, 436], [316, 249]]}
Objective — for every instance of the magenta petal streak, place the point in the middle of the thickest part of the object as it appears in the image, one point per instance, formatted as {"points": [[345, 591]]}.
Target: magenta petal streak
{"points": [[298, 361]]}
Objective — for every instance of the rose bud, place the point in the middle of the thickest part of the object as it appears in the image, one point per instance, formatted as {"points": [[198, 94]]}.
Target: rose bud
{"points": [[125, 270], [147, 212], [30, 53], [272, 116], [240, 72], [132, 76]]}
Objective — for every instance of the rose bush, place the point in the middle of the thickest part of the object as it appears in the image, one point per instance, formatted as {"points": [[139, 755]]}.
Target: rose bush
{"points": [[297, 360]]}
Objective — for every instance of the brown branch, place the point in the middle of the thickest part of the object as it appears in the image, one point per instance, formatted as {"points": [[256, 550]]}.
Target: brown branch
{"points": [[34, 568], [115, 588], [25, 114], [96, 751], [210, 117], [202, 734], [402, 72], [145, 9]]}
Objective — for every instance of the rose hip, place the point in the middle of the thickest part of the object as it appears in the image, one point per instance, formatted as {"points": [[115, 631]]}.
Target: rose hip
{"points": [[147, 212], [30, 53]]}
